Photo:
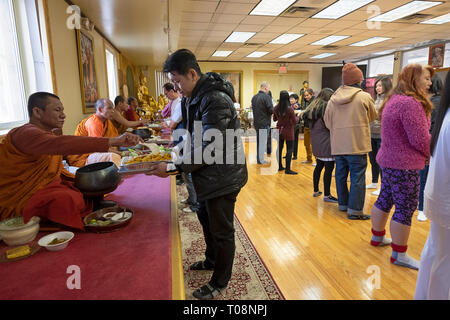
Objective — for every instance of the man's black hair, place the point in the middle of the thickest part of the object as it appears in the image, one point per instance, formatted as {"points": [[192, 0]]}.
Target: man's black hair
{"points": [[306, 81], [39, 100], [118, 100], [181, 62], [130, 100]]}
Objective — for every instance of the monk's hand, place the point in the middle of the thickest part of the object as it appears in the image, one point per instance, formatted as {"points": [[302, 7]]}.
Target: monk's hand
{"points": [[159, 170], [144, 122], [125, 140]]}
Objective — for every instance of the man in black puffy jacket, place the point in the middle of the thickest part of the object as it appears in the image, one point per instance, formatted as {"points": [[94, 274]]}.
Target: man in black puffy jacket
{"points": [[208, 111]]}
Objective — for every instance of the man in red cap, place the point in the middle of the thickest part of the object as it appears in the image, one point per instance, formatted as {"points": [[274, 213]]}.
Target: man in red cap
{"points": [[348, 115]]}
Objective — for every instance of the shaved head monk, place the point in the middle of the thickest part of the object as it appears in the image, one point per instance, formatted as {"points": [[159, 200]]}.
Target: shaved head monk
{"points": [[33, 181], [97, 125]]}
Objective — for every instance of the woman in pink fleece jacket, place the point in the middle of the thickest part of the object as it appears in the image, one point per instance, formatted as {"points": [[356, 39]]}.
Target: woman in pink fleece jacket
{"points": [[405, 148]]}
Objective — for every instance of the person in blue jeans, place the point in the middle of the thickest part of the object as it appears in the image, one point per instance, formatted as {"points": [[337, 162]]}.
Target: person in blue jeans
{"points": [[348, 115], [351, 200]]}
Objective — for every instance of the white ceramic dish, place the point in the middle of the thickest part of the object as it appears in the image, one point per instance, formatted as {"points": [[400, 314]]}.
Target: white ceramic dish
{"points": [[44, 241], [15, 233]]}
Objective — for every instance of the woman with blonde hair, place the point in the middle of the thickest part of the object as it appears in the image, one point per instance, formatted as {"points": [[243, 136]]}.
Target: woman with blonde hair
{"points": [[405, 124]]}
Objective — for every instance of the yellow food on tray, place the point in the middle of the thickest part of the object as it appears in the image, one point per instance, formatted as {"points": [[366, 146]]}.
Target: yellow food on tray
{"points": [[18, 252], [151, 158]]}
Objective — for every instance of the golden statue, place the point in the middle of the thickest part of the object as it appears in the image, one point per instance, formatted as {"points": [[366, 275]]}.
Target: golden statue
{"points": [[147, 103]]}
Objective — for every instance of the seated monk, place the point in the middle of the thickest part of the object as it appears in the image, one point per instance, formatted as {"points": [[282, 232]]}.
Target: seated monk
{"points": [[119, 119], [131, 114], [33, 181], [97, 125]]}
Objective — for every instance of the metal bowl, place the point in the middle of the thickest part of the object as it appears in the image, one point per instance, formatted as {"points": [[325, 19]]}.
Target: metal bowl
{"points": [[97, 178], [144, 133]]}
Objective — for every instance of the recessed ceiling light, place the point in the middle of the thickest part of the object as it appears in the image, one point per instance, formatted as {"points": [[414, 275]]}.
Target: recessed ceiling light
{"points": [[271, 7], [257, 54], [341, 8], [286, 38], [438, 20], [405, 10], [368, 42], [329, 40], [240, 36], [222, 53], [323, 55], [289, 55]]}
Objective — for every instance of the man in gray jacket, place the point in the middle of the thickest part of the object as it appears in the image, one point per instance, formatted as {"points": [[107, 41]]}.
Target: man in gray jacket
{"points": [[262, 114]]}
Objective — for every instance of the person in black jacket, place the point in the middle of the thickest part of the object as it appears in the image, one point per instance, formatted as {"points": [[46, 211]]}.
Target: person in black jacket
{"points": [[208, 108], [262, 106]]}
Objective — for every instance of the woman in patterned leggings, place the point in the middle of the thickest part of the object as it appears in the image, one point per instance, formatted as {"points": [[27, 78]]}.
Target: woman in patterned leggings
{"points": [[405, 123]]}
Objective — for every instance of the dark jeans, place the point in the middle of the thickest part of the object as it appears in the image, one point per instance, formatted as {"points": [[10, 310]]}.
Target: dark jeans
{"points": [[192, 199], [328, 175], [296, 133], [356, 165], [217, 219], [264, 142], [289, 147], [376, 171], [423, 181]]}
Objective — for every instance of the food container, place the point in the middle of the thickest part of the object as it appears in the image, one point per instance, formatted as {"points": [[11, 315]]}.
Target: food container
{"points": [[63, 235], [113, 219], [16, 233]]}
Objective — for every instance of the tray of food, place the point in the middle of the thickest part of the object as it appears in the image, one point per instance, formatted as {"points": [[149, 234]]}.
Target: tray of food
{"points": [[141, 163], [108, 219]]}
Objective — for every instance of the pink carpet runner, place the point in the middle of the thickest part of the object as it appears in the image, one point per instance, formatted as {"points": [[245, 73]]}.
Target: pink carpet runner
{"points": [[133, 263]]}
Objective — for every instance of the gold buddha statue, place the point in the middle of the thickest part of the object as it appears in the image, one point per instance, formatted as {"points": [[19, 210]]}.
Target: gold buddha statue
{"points": [[146, 102]]}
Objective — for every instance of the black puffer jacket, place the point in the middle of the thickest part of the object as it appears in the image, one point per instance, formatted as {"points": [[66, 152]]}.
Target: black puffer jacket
{"points": [[211, 107]]}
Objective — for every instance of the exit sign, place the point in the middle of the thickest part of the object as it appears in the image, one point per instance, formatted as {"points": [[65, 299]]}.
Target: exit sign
{"points": [[282, 70]]}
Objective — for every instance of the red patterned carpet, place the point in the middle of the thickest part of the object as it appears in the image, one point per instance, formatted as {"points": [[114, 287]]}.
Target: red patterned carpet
{"points": [[250, 279]]}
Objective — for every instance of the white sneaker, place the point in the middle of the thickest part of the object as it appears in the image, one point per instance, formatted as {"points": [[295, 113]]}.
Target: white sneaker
{"points": [[187, 210], [376, 193], [421, 216], [372, 186]]}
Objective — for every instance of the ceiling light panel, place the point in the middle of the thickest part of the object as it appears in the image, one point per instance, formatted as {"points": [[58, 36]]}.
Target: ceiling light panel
{"points": [[257, 54], [341, 8], [271, 7], [323, 55], [286, 38], [329, 40], [405, 10], [222, 53], [369, 42], [289, 55], [438, 20], [240, 36]]}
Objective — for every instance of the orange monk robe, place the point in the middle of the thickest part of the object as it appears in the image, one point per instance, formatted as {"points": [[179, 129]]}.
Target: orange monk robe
{"points": [[91, 127], [33, 181], [120, 127]]}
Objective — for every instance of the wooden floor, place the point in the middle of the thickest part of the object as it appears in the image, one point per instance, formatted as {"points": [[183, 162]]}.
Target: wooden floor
{"points": [[311, 249]]}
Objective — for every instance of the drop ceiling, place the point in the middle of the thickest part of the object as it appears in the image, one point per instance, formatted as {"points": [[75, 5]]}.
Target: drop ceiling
{"points": [[146, 30]]}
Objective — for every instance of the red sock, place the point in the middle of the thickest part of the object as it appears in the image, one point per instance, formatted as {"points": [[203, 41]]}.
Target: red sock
{"points": [[377, 237], [397, 249]]}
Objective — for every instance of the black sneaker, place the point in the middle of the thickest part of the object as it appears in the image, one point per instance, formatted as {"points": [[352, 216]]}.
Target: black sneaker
{"points": [[330, 199]]}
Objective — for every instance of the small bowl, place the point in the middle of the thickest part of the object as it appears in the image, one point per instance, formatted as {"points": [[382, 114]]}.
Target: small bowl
{"points": [[44, 241], [16, 233]]}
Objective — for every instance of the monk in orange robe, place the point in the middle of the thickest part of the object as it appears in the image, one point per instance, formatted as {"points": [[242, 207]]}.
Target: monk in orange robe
{"points": [[97, 125], [119, 116], [33, 181], [131, 114]]}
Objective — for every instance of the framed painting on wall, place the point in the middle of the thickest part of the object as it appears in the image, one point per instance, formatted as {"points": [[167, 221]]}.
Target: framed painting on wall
{"points": [[88, 74], [436, 55], [235, 77]]}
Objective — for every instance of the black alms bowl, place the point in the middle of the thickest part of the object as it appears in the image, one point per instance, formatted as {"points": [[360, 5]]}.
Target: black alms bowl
{"points": [[144, 133], [98, 177]]}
